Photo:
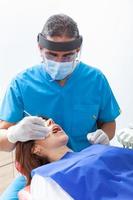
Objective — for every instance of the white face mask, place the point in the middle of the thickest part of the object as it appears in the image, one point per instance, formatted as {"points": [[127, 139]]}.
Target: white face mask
{"points": [[59, 70]]}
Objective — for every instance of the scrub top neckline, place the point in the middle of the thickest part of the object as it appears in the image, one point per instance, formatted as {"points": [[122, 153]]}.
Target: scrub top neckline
{"points": [[68, 82]]}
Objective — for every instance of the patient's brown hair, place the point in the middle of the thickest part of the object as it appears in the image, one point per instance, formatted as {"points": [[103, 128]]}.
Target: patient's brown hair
{"points": [[26, 159]]}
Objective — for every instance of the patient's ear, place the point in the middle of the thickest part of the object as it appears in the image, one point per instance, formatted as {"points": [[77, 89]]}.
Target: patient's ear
{"points": [[36, 150]]}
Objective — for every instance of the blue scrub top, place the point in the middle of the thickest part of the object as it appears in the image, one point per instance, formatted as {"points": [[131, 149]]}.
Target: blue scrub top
{"points": [[99, 172], [85, 99]]}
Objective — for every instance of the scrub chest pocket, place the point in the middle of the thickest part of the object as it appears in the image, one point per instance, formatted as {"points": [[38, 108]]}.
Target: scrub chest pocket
{"points": [[84, 119]]}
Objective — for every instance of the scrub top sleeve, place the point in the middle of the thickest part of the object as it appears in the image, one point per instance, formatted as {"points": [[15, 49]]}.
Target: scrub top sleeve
{"points": [[11, 106], [109, 108]]}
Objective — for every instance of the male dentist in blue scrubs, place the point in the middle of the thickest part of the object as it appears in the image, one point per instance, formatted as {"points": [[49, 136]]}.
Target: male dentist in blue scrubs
{"points": [[75, 95]]}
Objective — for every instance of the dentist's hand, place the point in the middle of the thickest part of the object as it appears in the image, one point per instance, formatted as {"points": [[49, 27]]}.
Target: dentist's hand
{"points": [[98, 137], [125, 136], [29, 128]]}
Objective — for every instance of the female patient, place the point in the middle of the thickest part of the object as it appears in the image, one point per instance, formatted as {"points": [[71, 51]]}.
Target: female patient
{"points": [[31, 154], [98, 172]]}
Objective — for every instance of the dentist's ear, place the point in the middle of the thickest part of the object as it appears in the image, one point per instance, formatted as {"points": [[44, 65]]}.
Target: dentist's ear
{"points": [[40, 50], [77, 50]]}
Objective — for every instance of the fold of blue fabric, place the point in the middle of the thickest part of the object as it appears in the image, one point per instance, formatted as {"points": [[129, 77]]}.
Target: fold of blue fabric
{"points": [[99, 172]]}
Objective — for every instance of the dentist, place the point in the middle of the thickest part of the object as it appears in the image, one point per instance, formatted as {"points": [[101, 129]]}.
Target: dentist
{"points": [[75, 95]]}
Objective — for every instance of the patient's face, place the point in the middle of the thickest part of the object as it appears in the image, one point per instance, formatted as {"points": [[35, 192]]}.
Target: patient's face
{"points": [[56, 138]]}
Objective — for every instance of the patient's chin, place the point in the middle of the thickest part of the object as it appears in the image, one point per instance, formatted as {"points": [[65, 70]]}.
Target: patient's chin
{"points": [[64, 140]]}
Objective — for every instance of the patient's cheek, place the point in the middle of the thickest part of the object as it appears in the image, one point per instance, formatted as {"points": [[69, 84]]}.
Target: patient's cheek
{"points": [[24, 194]]}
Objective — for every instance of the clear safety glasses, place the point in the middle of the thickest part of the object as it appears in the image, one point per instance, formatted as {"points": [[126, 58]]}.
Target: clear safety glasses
{"points": [[66, 57]]}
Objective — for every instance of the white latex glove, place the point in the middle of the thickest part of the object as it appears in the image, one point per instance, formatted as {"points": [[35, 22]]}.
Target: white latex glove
{"points": [[130, 126], [29, 128], [98, 137], [125, 136]]}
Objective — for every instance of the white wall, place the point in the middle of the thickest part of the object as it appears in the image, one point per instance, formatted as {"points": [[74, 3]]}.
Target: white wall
{"points": [[106, 25]]}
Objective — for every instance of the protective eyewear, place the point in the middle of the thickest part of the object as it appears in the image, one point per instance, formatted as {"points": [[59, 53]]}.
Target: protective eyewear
{"points": [[62, 58]]}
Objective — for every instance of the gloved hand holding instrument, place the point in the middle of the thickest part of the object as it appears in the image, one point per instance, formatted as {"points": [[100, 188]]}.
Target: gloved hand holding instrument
{"points": [[29, 128]]}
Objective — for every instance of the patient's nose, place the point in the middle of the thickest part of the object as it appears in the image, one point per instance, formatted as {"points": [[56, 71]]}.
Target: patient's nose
{"points": [[50, 122]]}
